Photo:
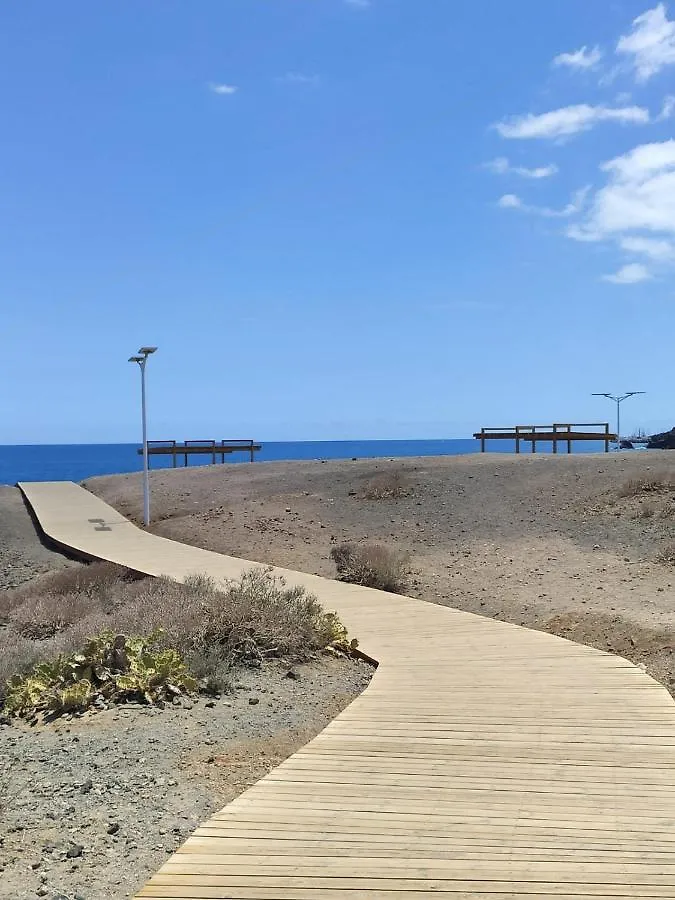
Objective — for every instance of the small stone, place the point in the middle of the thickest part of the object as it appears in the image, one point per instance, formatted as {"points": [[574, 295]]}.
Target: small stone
{"points": [[113, 828], [253, 701], [86, 786], [74, 851], [210, 704], [293, 675], [36, 864]]}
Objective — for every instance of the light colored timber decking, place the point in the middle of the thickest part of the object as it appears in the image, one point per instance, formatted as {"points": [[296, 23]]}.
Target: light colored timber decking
{"points": [[484, 760]]}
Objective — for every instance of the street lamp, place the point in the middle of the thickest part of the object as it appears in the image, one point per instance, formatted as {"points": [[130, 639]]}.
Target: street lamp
{"points": [[142, 359], [619, 401]]}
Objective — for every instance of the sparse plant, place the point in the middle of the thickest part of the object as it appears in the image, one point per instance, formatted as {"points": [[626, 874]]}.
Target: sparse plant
{"points": [[647, 484], [666, 556], [371, 565], [388, 486], [647, 509], [110, 667]]}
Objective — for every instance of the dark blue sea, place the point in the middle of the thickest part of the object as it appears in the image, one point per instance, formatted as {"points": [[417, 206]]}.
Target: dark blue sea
{"points": [[75, 462]]}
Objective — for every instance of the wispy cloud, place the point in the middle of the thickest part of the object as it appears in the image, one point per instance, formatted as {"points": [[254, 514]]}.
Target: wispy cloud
{"points": [[573, 208], [632, 273], [580, 59], [300, 79], [655, 249], [501, 166], [569, 120], [650, 46], [668, 108], [223, 89]]}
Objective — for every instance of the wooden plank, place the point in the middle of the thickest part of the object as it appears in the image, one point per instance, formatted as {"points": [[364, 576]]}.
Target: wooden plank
{"points": [[443, 778]]}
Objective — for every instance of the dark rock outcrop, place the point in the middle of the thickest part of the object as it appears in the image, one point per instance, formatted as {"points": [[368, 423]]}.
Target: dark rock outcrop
{"points": [[663, 441]]}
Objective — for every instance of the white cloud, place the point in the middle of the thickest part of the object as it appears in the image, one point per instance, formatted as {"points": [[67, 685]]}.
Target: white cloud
{"points": [[639, 195], [501, 166], [223, 89], [510, 201], [633, 273], [635, 209], [580, 59], [656, 249], [569, 120], [651, 44]]}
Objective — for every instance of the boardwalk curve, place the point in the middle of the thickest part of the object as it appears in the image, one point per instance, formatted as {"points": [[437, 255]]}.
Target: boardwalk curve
{"points": [[484, 760]]}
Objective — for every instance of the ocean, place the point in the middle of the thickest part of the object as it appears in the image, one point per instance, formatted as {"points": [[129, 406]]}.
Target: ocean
{"points": [[75, 462]]}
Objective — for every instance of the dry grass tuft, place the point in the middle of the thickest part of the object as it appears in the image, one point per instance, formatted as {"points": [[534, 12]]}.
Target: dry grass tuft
{"points": [[658, 483], [371, 565], [213, 628], [666, 556], [388, 486]]}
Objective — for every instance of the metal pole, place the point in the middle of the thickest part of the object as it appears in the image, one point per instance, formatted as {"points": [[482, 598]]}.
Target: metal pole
{"points": [[146, 467], [618, 422]]}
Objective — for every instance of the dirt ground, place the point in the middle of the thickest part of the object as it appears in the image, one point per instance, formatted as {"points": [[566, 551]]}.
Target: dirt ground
{"points": [[22, 554], [539, 540]]}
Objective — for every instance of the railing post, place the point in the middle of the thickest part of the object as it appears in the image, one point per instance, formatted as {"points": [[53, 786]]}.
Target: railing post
{"points": [[482, 440], [555, 440], [517, 438]]}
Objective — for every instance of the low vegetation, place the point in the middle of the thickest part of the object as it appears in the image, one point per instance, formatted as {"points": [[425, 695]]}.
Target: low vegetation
{"points": [[387, 486], [100, 634], [658, 483], [666, 556], [371, 565]]}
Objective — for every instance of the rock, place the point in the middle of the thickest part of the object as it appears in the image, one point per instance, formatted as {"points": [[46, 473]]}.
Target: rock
{"points": [[253, 701], [74, 851], [663, 441], [293, 675], [36, 865], [86, 786], [210, 704], [113, 828]]}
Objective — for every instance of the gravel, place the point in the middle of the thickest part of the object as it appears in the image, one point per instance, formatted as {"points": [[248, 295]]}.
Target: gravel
{"points": [[92, 806]]}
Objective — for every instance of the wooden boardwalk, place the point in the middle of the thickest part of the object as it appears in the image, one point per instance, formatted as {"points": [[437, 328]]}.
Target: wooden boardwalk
{"points": [[485, 760]]}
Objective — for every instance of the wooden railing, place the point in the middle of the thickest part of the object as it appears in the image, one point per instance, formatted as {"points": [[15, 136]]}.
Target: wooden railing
{"points": [[559, 431], [201, 448]]}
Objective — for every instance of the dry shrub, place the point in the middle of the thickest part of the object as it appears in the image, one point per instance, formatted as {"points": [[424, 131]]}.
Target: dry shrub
{"points": [[214, 628], [666, 555], [388, 486], [647, 509], [657, 483], [371, 565]]}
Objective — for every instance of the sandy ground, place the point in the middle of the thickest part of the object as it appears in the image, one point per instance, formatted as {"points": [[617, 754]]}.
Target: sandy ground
{"points": [[22, 554], [538, 540]]}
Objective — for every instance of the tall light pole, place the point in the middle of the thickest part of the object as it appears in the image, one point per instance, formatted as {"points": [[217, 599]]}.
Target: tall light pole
{"points": [[619, 401], [142, 360]]}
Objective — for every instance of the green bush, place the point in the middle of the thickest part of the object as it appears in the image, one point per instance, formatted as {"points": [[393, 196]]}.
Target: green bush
{"points": [[112, 668]]}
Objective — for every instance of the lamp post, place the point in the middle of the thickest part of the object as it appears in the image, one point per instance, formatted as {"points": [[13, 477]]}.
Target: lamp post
{"points": [[619, 401], [142, 359]]}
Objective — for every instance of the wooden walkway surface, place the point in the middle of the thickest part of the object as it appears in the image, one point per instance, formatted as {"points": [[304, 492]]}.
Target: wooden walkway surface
{"points": [[484, 760]]}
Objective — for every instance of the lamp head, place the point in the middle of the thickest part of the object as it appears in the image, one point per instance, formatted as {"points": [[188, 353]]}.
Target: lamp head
{"points": [[146, 351], [137, 359]]}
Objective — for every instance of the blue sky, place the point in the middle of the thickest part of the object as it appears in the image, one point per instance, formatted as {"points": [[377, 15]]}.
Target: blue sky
{"points": [[336, 219]]}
